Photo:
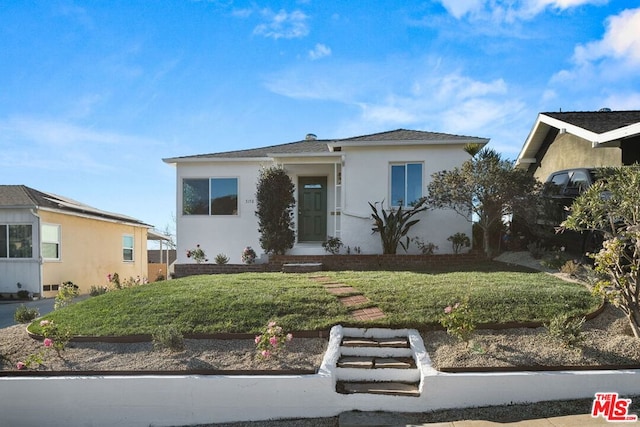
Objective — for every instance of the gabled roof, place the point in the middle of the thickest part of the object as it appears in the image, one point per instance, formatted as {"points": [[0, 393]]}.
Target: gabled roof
{"points": [[313, 146], [601, 128], [23, 197]]}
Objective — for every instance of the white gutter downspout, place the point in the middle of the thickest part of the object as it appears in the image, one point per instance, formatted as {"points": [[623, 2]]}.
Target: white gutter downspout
{"points": [[40, 263]]}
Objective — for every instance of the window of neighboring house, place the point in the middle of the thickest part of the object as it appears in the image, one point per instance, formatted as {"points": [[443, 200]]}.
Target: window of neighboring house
{"points": [[50, 239], [215, 196], [127, 248], [406, 183], [16, 241]]}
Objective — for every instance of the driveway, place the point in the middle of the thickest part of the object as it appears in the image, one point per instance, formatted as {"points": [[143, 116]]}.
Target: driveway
{"points": [[8, 309]]}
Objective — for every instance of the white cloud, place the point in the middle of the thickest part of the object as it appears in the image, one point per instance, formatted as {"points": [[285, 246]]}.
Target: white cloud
{"points": [[620, 42], [319, 51], [285, 25], [60, 145], [460, 8], [608, 69], [508, 10]]}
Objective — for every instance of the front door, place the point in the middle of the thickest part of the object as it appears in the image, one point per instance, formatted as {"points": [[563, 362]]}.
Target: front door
{"points": [[312, 209]]}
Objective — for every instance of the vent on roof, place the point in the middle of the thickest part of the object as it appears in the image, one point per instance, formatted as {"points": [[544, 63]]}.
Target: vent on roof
{"points": [[604, 110], [311, 137]]}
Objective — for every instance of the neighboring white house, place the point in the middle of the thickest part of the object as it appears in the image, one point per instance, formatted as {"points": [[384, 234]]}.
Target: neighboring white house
{"points": [[335, 180]]}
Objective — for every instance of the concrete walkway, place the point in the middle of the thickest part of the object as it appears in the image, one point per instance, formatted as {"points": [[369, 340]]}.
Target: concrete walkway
{"points": [[8, 309]]}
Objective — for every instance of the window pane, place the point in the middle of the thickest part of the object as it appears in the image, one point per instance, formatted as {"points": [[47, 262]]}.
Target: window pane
{"points": [[127, 248], [49, 233], [50, 251], [20, 241], [195, 197], [397, 185], [3, 241], [224, 196], [414, 182]]}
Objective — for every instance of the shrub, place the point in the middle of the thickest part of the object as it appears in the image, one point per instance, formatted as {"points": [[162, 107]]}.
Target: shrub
{"points": [[66, 293], [425, 248], [198, 255], [271, 341], [394, 225], [23, 294], [168, 337], [570, 267], [332, 245], [458, 241], [536, 250], [567, 330], [458, 320], [221, 259], [274, 209], [248, 255], [98, 290], [556, 259], [25, 314]]}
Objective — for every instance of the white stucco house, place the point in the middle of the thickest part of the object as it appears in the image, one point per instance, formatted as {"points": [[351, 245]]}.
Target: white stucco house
{"points": [[335, 179]]}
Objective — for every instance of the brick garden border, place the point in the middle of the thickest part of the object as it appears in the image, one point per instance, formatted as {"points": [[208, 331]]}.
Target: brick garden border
{"points": [[336, 263]]}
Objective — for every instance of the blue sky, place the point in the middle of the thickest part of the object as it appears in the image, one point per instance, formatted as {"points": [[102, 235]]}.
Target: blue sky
{"points": [[93, 94]]}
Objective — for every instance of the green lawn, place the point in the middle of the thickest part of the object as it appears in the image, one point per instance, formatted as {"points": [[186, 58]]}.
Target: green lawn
{"points": [[246, 302]]}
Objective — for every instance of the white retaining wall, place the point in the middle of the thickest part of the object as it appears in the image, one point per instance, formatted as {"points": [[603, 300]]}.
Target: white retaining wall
{"points": [[193, 399]]}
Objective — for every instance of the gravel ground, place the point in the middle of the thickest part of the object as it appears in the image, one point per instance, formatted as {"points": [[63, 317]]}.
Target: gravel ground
{"points": [[201, 354]]}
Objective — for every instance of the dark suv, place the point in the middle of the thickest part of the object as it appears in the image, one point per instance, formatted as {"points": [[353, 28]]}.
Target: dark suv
{"points": [[561, 189]]}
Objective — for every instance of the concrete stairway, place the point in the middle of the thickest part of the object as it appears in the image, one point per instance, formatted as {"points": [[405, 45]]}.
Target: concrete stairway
{"points": [[377, 365]]}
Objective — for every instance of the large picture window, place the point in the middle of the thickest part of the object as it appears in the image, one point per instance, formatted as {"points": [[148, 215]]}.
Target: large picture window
{"points": [[16, 241], [406, 183], [127, 248], [50, 241], [214, 196]]}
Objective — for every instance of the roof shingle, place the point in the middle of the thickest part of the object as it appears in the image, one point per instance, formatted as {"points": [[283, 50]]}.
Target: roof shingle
{"points": [[598, 121]]}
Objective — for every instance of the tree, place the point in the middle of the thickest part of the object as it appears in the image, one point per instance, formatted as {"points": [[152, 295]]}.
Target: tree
{"points": [[275, 201], [611, 207], [395, 225], [486, 188]]}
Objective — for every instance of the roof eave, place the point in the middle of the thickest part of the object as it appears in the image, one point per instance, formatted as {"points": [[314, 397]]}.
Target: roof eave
{"points": [[176, 160], [394, 143]]}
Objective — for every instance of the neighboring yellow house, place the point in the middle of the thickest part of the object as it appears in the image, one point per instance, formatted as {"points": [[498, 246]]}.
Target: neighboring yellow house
{"points": [[46, 240]]}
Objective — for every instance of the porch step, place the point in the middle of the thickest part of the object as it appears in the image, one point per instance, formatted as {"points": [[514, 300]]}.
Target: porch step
{"points": [[364, 362], [396, 342], [385, 388], [376, 362], [303, 267]]}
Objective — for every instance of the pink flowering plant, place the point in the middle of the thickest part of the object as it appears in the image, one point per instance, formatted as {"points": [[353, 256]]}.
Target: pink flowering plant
{"points": [[271, 341], [54, 339], [197, 254], [248, 255], [458, 320]]}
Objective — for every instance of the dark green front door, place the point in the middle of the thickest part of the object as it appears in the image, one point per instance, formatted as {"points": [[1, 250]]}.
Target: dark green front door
{"points": [[312, 209]]}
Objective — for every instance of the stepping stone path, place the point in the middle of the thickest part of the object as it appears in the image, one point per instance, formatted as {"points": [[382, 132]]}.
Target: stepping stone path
{"points": [[350, 297]]}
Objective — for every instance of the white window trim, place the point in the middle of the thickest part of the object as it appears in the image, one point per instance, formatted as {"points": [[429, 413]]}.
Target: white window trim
{"points": [[133, 248], [422, 184]]}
